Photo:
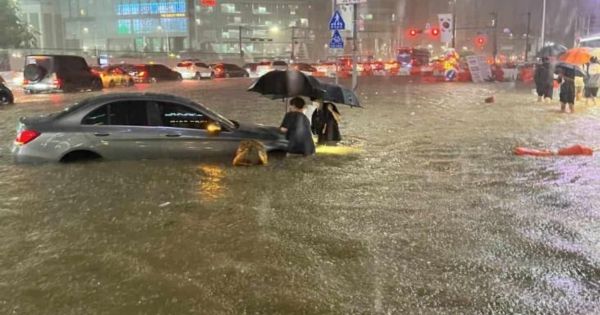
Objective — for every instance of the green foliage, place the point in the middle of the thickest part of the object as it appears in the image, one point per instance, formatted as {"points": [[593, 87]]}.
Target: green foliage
{"points": [[14, 32]]}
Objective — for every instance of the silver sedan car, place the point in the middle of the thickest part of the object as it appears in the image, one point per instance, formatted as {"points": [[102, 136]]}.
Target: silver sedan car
{"points": [[136, 126]]}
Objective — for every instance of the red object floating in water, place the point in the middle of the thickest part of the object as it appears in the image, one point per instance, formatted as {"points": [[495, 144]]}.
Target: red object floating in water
{"points": [[577, 149], [532, 152]]}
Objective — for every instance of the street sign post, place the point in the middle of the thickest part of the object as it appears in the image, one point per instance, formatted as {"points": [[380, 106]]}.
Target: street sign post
{"points": [[350, 1], [337, 42], [337, 22]]}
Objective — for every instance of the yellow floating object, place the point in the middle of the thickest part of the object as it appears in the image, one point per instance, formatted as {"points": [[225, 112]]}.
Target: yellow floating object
{"points": [[337, 150]]}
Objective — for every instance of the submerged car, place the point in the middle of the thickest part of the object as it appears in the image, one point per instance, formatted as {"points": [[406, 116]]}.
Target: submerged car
{"points": [[194, 70], [58, 73], [113, 76], [136, 126], [6, 95], [153, 73]]}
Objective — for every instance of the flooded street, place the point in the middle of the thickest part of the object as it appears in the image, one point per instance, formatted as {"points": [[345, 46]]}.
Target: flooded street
{"points": [[429, 213]]}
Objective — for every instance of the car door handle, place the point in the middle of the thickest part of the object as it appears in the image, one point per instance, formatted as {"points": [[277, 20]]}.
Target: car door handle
{"points": [[99, 134], [173, 135]]}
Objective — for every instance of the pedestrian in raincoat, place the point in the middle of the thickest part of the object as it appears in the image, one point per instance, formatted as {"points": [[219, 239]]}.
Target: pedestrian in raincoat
{"points": [[326, 120], [544, 80], [296, 127], [566, 78], [592, 81]]}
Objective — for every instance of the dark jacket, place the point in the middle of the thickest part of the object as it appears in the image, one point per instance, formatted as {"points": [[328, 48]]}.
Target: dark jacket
{"points": [[544, 74], [325, 125]]}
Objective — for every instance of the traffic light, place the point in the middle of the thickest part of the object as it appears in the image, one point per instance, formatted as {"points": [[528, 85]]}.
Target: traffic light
{"points": [[480, 41], [435, 32], [413, 32]]}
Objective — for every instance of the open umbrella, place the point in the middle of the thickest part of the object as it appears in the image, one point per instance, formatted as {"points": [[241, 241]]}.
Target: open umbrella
{"points": [[341, 95], [576, 56], [569, 69], [285, 84], [552, 51]]}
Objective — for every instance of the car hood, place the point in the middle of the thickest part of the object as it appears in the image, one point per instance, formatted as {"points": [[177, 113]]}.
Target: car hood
{"points": [[260, 132]]}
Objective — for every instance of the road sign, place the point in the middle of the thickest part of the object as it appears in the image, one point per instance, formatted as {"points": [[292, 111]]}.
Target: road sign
{"points": [[337, 22], [350, 1], [336, 40]]}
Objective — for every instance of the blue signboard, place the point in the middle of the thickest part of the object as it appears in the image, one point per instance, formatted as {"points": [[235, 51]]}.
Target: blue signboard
{"points": [[337, 22], [336, 40]]}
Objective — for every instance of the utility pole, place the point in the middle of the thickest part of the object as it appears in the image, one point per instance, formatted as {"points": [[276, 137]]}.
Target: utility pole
{"points": [[495, 35], [354, 47], [337, 79], [527, 36], [543, 24], [293, 53], [191, 17], [454, 24], [240, 43]]}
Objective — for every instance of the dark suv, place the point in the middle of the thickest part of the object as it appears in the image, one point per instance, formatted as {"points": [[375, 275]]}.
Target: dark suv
{"points": [[152, 73], [52, 73]]}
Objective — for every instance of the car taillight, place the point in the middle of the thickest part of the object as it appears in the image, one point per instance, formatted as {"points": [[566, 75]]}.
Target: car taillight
{"points": [[26, 136], [25, 81]]}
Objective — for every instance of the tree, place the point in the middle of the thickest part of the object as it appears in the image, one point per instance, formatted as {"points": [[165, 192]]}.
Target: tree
{"points": [[14, 33]]}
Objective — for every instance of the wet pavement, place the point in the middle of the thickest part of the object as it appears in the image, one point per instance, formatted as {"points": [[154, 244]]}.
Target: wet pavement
{"points": [[427, 213]]}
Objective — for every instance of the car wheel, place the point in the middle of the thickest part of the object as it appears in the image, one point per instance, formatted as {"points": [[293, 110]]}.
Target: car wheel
{"points": [[227, 75], [197, 76], [246, 75], [97, 85], [152, 80], [130, 82], [212, 75], [179, 77], [5, 99], [111, 84]]}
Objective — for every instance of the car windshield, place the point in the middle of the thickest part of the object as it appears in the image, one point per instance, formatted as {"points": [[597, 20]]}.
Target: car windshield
{"points": [[201, 65]]}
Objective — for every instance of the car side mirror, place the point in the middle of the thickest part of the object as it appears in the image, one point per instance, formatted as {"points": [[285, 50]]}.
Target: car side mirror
{"points": [[213, 129]]}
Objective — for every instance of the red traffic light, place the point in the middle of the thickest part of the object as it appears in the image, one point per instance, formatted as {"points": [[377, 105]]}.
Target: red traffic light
{"points": [[435, 32], [413, 32], [480, 40]]}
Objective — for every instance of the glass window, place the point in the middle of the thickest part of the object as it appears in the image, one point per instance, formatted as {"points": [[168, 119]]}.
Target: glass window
{"points": [[128, 113], [179, 116], [201, 65], [98, 117]]}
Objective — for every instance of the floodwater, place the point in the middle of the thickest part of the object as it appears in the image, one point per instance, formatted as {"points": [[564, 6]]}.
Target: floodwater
{"points": [[427, 213]]}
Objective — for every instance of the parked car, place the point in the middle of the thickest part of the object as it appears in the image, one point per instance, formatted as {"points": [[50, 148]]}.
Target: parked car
{"points": [[251, 68], [153, 73], [136, 126], [268, 66], [51, 73], [6, 95], [227, 70], [304, 68], [114, 76], [194, 70]]}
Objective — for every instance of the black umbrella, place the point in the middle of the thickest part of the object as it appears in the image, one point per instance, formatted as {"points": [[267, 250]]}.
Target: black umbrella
{"points": [[285, 84], [569, 70], [341, 95], [552, 51]]}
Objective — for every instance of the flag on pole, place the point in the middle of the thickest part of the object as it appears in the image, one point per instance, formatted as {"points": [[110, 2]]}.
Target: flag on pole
{"points": [[446, 27]]}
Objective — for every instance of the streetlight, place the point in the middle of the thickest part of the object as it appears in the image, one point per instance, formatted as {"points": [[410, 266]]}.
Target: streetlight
{"points": [[161, 30]]}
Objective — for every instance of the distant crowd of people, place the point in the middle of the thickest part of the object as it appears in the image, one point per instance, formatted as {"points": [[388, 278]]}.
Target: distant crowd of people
{"points": [[574, 82]]}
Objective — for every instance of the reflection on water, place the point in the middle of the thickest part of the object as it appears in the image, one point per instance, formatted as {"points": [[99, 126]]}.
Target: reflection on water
{"points": [[211, 183], [422, 209]]}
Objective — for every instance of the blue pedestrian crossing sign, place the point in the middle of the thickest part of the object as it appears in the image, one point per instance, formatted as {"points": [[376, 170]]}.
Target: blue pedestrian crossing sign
{"points": [[337, 22], [336, 40]]}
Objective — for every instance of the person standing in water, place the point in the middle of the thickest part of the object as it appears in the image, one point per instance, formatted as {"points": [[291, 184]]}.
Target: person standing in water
{"points": [[544, 80], [566, 78], [592, 82], [296, 127], [326, 120]]}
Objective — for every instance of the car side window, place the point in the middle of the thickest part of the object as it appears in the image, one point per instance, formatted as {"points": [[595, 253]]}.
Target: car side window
{"points": [[128, 113], [180, 116], [98, 117]]}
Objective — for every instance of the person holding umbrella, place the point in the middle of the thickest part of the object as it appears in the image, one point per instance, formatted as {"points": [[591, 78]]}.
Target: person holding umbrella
{"points": [[592, 82], [544, 80], [566, 78], [296, 127], [326, 120]]}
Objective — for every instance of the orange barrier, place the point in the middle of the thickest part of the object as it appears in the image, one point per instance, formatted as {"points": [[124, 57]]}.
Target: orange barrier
{"points": [[576, 150], [532, 152]]}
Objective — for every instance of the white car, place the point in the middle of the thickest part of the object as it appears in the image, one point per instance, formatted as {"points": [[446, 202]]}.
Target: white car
{"points": [[267, 66], [193, 70]]}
